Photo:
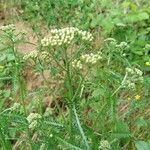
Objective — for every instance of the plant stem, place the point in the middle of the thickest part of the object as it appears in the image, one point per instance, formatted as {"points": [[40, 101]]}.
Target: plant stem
{"points": [[124, 79], [18, 69], [70, 90], [80, 128], [20, 83]]}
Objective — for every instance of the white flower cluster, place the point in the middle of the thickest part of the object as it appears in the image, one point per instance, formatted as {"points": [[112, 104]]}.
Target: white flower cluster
{"points": [[90, 58], [34, 54], [134, 76], [104, 145], [65, 36], [8, 28], [86, 59], [129, 84], [43, 55], [77, 64], [87, 36], [15, 106], [122, 45], [13, 33], [32, 119], [134, 71], [113, 42]]}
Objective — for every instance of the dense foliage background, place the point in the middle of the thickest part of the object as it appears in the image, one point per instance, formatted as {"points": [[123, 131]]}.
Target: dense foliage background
{"points": [[51, 99]]}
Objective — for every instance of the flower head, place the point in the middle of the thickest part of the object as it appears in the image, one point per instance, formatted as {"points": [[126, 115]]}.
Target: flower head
{"points": [[32, 54], [32, 119], [134, 76], [77, 64], [8, 28], [33, 116], [122, 45], [104, 145], [64, 36], [90, 58], [15, 106]]}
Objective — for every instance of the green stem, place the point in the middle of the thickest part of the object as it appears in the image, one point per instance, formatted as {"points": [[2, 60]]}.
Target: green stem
{"points": [[55, 59], [17, 68], [70, 90], [20, 83], [123, 81], [80, 128]]}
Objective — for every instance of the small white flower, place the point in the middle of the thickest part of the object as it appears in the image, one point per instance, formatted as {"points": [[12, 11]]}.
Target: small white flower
{"points": [[134, 76], [15, 106], [8, 28], [43, 55], [33, 124], [131, 85], [33, 116], [139, 72], [64, 36], [91, 58], [32, 54], [77, 64], [122, 45], [104, 145], [130, 70]]}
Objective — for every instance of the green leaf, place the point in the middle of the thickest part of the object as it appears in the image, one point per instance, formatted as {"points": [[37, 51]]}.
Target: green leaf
{"points": [[68, 145], [10, 57], [138, 52], [135, 17], [121, 130], [142, 145], [2, 57], [143, 16], [7, 93], [98, 92]]}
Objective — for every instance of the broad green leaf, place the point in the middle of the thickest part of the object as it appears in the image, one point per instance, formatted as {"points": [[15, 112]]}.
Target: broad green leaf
{"points": [[143, 16], [121, 130]]}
